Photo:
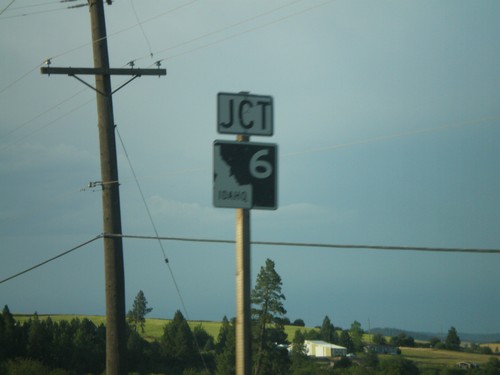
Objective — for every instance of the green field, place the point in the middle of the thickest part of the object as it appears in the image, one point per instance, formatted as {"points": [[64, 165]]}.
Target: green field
{"points": [[154, 326], [435, 358], [152, 330]]}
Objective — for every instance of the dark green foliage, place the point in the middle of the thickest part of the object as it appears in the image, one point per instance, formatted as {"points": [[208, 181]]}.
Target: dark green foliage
{"points": [[226, 349], [12, 336], [298, 346], [327, 331], [267, 314], [25, 367], [299, 323], [137, 357], [225, 333], [267, 298], [398, 366], [403, 340], [136, 317], [453, 371], [344, 362], [476, 348], [492, 367], [346, 341], [203, 340], [89, 343], [77, 346], [434, 341], [313, 334], [37, 339], [356, 334], [378, 339], [452, 341], [177, 343], [371, 360], [301, 364]]}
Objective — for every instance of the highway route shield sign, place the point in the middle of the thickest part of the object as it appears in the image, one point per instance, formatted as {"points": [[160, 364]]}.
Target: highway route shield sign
{"points": [[245, 175]]}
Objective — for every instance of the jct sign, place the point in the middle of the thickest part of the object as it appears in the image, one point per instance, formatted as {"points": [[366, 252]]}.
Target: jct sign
{"points": [[245, 175], [244, 114]]}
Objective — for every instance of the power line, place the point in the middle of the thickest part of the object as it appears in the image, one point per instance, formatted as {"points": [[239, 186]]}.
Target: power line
{"points": [[142, 28], [264, 243], [18, 127], [51, 259], [176, 285], [43, 11], [32, 13], [239, 23], [3, 147], [232, 36], [318, 245], [53, 2], [19, 78], [121, 31], [140, 24], [142, 196], [7, 7]]}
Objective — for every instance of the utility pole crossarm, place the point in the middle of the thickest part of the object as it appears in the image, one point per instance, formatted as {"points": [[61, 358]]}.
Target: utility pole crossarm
{"points": [[114, 273], [104, 71]]}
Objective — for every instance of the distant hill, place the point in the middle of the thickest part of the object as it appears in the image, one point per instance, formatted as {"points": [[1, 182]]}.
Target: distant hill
{"points": [[426, 336]]}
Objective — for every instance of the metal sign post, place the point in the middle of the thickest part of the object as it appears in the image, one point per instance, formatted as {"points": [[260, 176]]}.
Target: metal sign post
{"points": [[245, 177]]}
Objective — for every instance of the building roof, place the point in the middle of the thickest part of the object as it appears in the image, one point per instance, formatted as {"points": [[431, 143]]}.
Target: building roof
{"points": [[324, 343]]}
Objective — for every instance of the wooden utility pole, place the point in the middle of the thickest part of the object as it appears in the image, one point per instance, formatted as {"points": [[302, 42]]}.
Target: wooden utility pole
{"points": [[113, 247], [243, 304]]}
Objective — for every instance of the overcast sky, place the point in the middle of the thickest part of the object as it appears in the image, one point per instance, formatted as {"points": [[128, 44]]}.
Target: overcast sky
{"points": [[386, 115]]}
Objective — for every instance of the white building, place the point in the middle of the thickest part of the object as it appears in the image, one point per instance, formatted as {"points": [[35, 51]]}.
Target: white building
{"points": [[317, 348]]}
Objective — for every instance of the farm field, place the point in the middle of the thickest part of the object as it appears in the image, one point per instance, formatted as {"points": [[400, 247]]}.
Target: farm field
{"points": [[154, 326], [435, 358], [152, 330]]}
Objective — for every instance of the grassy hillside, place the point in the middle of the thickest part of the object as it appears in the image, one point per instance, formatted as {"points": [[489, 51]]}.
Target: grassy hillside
{"points": [[154, 326], [435, 358]]}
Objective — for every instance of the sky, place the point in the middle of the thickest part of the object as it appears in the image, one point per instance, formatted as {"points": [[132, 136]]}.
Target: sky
{"points": [[387, 121]]}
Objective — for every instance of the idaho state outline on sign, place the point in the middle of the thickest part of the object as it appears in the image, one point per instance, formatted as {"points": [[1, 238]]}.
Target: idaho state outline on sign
{"points": [[245, 175]]}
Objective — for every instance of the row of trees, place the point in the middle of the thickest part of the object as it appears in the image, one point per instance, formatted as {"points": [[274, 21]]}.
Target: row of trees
{"points": [[78, 346]]}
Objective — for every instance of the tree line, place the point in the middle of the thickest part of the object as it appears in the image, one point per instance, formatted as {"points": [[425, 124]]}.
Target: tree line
{"points": [[78, 346]]}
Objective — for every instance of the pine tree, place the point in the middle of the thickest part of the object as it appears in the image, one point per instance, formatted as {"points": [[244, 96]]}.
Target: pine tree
{"points": [[452, 341], [267, 316], [356, 334], [327, 331], [177, 342], [346, 341], [226, 349], [137, 315], [9, 336]]}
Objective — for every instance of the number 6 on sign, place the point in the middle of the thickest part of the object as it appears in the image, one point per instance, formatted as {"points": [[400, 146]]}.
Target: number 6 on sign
{"points": [[245, 175], [260, 168]]}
